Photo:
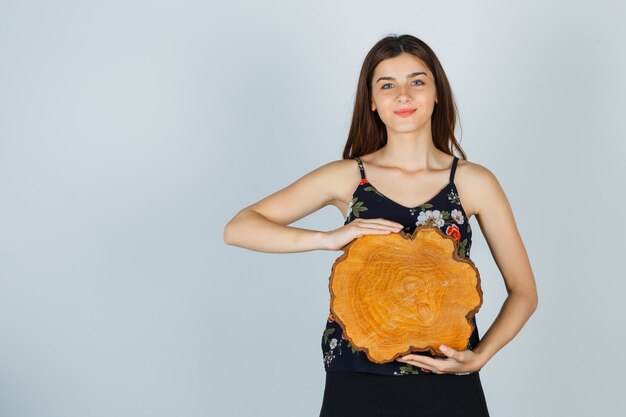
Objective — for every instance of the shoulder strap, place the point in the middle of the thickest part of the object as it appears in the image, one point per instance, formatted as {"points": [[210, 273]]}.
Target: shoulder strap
{"points": [[456, 159], [358, 161]]}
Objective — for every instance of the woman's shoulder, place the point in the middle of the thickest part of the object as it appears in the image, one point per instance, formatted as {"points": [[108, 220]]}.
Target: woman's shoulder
{"points": [[477, 186], [341, 176], [339, 168], [473, 173]]}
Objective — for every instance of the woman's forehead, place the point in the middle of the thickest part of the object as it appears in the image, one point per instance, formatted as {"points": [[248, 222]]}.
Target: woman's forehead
{"points": [[403, 65]]}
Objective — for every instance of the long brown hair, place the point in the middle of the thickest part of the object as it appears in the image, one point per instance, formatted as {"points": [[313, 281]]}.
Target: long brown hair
{"points": [[368, 132]]}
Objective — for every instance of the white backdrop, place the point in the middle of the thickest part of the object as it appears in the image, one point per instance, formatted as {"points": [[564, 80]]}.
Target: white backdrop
{"points": [[132, 131]]}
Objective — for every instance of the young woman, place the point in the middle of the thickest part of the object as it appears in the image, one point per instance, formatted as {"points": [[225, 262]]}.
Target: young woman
{"points": [[398, 172]]}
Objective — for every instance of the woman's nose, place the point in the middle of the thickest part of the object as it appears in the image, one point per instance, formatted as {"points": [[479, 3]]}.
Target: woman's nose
{"points": [[403, 93]]}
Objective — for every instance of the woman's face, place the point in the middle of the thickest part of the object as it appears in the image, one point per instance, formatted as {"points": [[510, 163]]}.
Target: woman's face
{"points": [[404, 82]]}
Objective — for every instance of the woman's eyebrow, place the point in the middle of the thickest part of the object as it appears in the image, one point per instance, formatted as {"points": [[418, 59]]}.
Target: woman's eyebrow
{"points": [[408, 76]]}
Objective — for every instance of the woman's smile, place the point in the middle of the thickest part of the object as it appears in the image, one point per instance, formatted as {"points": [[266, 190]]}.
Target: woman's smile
{"points": [[404, 112]]}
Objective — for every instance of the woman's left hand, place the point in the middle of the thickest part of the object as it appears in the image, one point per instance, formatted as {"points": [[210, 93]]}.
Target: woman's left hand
{"points": [[457, 361]]}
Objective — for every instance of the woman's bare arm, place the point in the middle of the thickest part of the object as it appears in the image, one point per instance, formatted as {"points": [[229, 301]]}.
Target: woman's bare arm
{"points": [[251, 230], [495, 217], [263, 226]]}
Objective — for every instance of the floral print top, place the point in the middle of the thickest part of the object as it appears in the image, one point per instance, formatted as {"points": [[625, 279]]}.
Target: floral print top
{"points": [[445, 211]]}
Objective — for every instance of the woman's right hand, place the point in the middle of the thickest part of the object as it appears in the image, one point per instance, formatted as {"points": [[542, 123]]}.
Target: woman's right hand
{"points": [[338, 238]]}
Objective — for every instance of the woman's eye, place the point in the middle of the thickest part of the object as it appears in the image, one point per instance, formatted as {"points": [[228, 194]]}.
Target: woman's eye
{"points": [[419, 81]]}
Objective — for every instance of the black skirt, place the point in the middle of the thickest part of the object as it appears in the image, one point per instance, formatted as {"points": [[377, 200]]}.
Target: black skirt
{"points": [[355, 394]]}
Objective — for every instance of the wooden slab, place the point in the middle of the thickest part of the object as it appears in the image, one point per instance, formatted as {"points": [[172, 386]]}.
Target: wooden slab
{"points": [[398, 293]]}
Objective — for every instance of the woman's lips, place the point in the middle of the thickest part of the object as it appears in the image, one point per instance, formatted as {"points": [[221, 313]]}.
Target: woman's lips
{"points": [[404, 113]]}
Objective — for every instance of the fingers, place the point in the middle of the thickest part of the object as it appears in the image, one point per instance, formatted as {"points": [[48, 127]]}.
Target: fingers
{"points": [[451, 353], [421, 365], [379, 225], [439, 366], [420, 360]]}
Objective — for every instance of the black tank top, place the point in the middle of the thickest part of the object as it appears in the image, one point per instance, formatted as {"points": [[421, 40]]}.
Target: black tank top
{"points": [[445, 211]]}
